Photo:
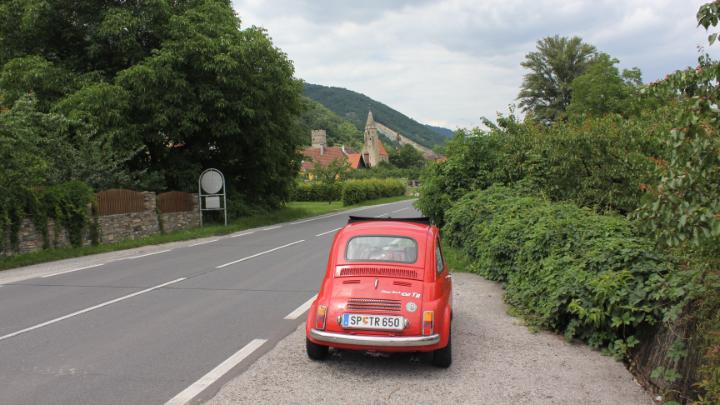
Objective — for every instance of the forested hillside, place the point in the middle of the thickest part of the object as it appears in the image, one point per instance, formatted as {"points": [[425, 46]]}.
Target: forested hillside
{"points": [[354, 106], [339, 130]]}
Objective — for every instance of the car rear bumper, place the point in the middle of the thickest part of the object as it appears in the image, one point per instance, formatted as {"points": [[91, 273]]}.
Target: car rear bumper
{"points": [[377, 341]]}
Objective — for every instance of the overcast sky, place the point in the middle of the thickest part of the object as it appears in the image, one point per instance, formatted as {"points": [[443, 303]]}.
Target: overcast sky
{"points": [[450, 62]]}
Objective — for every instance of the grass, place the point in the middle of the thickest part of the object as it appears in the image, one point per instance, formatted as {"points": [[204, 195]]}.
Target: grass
{"points": [[456, 259], [292, 211]]}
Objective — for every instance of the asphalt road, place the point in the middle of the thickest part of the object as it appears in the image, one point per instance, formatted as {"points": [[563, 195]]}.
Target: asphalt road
{"points": [[164, 323]]}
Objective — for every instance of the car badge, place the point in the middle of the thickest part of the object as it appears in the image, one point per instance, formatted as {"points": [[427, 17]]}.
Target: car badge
{"points": [[376, 283], [411, 306]]}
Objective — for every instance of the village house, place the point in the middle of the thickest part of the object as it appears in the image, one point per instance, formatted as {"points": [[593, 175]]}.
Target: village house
{"points": [[373, 151]]}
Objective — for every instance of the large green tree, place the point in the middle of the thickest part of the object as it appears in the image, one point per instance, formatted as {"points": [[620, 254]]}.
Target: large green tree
{"points": [[177, 83], [546, 90]]}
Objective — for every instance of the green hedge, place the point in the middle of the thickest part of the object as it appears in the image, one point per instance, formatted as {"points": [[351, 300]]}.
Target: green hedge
{"points": [[317, 191], [356, 191], [566, 268]]}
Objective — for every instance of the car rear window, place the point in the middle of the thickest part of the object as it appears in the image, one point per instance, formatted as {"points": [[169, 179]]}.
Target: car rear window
{"points": [[382, 249]]}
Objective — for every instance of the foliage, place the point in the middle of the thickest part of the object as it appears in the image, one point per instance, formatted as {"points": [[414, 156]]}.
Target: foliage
{"points": [[407, 157], [354, 107], [601, 89], [599, 162], [568, 269], [161, 88], [317, 191], [546, 91], [383, 171], [356, 191], [339, 130]]}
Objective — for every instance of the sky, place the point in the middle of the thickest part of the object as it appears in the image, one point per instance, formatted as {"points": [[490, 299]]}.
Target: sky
{"points": [[451, 62]]}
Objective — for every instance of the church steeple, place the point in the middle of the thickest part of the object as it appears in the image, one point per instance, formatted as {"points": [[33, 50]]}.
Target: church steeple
{"points": [[370, 120]]}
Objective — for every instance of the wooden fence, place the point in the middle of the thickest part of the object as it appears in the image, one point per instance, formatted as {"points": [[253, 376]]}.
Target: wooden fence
{"points": [[120, 201], [175, 201]]}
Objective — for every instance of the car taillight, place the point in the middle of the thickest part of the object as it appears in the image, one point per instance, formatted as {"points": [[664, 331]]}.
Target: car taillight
{"points": [[428, 323], [320, 317]]}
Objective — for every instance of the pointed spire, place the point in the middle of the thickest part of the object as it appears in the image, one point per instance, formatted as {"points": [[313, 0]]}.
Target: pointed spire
{"points": [[370, 121]]}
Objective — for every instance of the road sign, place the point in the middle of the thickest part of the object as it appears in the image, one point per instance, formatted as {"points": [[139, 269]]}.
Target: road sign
{"points": [[211, 187]]}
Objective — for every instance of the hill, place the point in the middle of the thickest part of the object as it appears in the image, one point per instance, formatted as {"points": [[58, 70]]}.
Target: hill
{"points": [[446, 132], [354, 107], [339, 130]]}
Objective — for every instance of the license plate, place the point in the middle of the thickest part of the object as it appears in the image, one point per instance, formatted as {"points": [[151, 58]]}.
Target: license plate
{"points": [[379, 322]]}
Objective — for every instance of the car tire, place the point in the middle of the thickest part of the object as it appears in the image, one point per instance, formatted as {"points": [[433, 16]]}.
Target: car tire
{"points": [[443, 357], [316, 351]]}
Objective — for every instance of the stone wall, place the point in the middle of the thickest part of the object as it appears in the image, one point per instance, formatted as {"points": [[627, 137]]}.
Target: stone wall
{"points": [[175, 221], [111, 228]]}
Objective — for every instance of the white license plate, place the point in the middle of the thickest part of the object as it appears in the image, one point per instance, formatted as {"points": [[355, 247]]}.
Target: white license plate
{"points": [[380, 322]]}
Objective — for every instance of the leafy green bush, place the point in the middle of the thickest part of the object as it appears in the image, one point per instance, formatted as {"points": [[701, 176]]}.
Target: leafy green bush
{"points": [[317, 191], [356, 191], [566, 268]]}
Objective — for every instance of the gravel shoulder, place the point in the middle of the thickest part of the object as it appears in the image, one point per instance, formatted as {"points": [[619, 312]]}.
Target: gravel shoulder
{"points": [[496, 359]]}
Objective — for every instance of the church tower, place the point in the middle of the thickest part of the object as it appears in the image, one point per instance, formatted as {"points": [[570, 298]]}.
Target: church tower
{"points": [[371, 150]]}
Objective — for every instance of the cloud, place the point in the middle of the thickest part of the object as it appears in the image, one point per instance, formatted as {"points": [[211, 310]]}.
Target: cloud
{"points": [[454, 61]]}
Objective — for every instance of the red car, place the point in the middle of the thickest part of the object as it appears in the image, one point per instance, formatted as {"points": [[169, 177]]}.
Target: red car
{"points": [[387, 289]]}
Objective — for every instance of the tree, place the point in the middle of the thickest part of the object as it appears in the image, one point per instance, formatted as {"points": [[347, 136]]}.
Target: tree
{"points": [[175, 81], [601, 89], [546, 91], [406, 157]]}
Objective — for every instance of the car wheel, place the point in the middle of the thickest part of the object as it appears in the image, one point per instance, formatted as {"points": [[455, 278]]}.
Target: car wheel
{"points": [[443, 357], [315, 351]]}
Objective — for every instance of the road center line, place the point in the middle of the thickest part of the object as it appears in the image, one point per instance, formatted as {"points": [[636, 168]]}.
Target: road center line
{"points": [[204, 243], [237, 235], [381, 215], [259, 254], [215, 374], [301, 309], [270, 228], [330, 231], [73, 270], [146, 254], [92, 308], [401, 209]]}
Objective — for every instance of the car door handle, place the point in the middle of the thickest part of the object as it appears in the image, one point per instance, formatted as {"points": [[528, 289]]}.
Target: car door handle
{"points": [[449, 276]]}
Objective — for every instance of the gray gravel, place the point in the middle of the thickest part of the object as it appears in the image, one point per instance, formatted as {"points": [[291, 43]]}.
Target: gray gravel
{"points": [[496, 360]]}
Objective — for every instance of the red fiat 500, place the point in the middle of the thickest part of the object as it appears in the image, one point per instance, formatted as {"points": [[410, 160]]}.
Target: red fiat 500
{"points": [[387, 288]]}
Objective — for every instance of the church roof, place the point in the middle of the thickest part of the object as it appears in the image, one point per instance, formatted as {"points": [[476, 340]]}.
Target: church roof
{"points": [[328, 155], [370, 120]]}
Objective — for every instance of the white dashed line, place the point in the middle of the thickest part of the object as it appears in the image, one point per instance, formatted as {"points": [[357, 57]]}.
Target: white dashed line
{"points": [[330, 231], [270, 228], [401, 209], [73, 270], [301, 309], [205, 381], [92, 308], [237, 235], [258, 254], [204, 243], [146, 255]]}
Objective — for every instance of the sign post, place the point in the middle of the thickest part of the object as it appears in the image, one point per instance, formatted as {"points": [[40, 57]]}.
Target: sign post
{"points": [[211, 186]]}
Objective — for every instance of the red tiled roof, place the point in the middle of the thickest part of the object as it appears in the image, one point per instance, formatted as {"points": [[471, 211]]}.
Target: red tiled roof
{"points": [[354, 159], [329, 155], [381, 148]]}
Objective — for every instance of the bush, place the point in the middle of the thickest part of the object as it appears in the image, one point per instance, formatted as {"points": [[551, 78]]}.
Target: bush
{"points": [[356, 191], [566, 268], [317, 191]]}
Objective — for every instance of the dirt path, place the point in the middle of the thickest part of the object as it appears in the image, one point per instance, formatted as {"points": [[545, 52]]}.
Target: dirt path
{"points": [[497, 360]]}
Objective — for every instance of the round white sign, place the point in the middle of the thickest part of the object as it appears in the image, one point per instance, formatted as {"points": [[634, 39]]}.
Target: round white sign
{"points": [[211, 182]]}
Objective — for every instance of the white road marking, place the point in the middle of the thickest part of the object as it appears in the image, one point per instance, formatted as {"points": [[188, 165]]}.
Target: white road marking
{"points": [[146, 254], [73, 270], [259, 254], [270, 228], [204, 243], [401, 209], [237, 235], [215, 374], [301, 309], [330, 231], [92, 308], [345, 212], [381, 215]]}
